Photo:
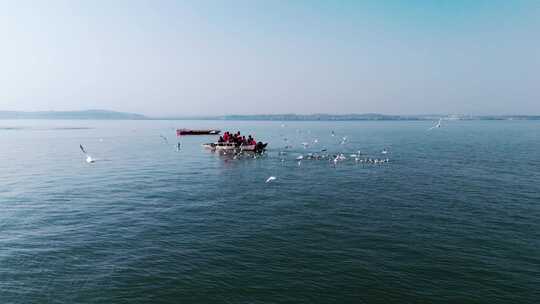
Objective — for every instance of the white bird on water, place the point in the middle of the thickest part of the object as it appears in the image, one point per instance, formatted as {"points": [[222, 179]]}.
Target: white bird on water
{"points": [[270, 179], [438, 125]]}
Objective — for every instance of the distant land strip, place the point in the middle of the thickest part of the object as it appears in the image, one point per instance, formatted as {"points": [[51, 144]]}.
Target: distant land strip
{"points": [[113, 115]]}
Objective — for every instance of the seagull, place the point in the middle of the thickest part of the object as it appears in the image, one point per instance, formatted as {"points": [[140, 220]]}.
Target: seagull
{"points": [[344, 140], [271, 178], [315, 141], [333, 134], [305, 144], [178, 147], [438, 125], [89, 158], [384, 151], [164, 138], [300, 157]]}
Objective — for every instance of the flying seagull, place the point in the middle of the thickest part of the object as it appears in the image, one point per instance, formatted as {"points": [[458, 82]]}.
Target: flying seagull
{"points": [[271, 178], [89, 158], [438, 125]]}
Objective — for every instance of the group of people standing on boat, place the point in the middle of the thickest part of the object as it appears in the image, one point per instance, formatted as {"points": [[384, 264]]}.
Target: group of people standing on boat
{"points": [[237, 139]]}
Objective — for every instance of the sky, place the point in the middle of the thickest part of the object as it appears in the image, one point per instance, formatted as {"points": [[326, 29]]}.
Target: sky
{"points": [[182, 58]]}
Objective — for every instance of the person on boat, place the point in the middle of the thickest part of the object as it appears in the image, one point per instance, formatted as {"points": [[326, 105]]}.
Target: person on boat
{"points": [[259, 147], [221, 139], [251, 141], [244, 141], [226, 136]]}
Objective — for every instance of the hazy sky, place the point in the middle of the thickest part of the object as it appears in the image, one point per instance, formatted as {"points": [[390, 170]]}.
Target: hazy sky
{"points": [[243, 57]]}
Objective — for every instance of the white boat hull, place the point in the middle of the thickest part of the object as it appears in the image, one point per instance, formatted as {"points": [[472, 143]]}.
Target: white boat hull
{"points": [[228, 147]]}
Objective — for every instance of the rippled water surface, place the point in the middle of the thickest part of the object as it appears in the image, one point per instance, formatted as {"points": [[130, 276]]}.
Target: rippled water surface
{"points": [[454, 217]]}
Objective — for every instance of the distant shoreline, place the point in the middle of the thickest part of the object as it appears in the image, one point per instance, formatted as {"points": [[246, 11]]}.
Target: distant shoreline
{"points": [[112, 115]]}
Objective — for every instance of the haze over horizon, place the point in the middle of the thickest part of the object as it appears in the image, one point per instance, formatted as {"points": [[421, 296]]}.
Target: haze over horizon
{"points": [[186, 58]]}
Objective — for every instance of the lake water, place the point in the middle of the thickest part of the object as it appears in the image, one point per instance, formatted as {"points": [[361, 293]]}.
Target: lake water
{"points": [[454, 217]]}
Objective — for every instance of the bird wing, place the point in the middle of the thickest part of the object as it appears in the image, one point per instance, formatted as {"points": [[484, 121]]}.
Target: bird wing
{"points": [[82, 149]]}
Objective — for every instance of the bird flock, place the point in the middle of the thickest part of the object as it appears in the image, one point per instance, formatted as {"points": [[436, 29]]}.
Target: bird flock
{"points": [[320, 154]]}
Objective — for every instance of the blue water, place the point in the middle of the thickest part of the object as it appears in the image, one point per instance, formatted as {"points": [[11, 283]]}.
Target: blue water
{"points": [[454, 217]]}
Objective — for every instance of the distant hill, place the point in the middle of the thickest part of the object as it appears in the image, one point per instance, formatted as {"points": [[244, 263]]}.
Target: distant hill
{"points": [[112, 115], [88, 114]]}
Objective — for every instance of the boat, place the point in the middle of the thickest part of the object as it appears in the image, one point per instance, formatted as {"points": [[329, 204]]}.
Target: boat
{"points": [[181, 132], [225, 147]]}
